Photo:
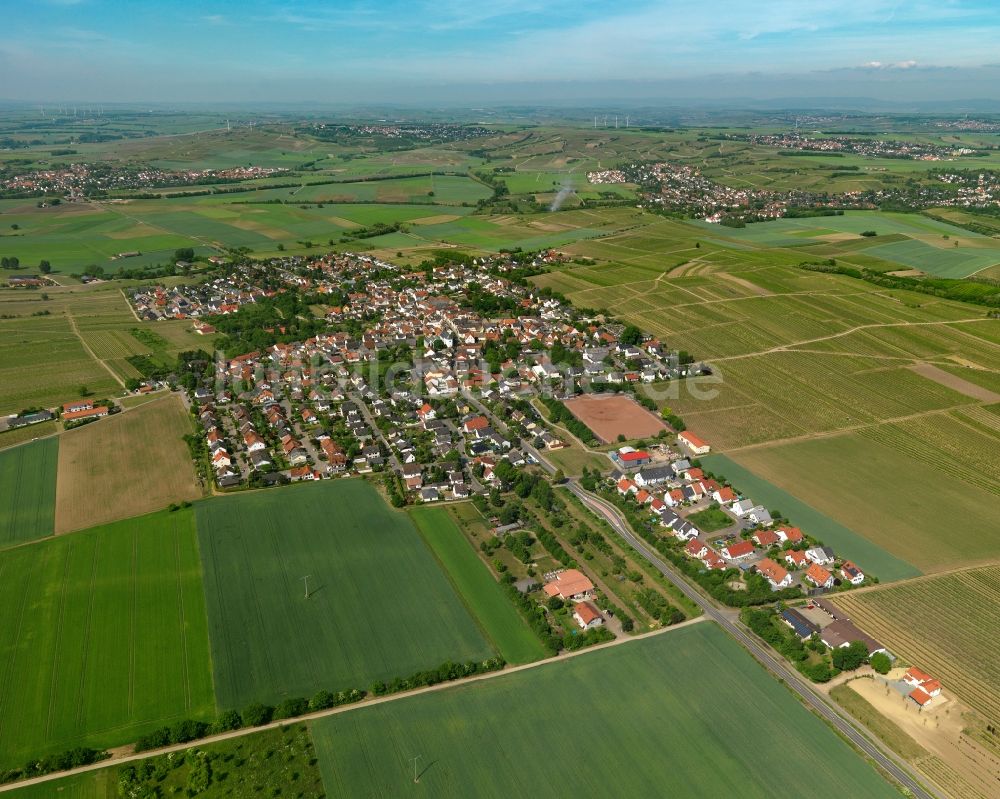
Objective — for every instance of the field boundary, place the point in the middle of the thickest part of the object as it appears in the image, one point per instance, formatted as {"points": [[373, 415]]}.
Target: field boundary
{"points": [[118, 759]]}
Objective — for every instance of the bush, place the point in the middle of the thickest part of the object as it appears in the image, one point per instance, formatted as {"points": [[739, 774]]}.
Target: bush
{"points": [[230, 720], [290, 708], [322, 700], [256, 715], [881, 663], [848, 658]]}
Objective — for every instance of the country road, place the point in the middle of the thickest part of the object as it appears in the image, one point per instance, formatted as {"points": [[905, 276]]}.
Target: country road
{"points": [[728, 619]]}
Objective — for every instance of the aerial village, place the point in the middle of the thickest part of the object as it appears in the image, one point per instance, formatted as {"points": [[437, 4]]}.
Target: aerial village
{"points": [[428, 376]]}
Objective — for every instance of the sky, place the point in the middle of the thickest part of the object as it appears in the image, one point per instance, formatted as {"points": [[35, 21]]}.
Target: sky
{"points": [[496, 51]]}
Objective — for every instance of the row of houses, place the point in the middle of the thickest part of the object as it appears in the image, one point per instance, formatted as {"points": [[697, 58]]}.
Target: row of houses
{"points": [[776, 551]]}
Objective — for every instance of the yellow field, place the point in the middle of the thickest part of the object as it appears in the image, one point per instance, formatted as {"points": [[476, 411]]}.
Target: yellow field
{"points": [[125, 465]]}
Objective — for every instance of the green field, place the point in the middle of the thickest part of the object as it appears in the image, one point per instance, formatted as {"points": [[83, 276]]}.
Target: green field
{"points": [[886, 565], [379, 605], [474, 583], [624, 721], [104, 637], [28, 501]]}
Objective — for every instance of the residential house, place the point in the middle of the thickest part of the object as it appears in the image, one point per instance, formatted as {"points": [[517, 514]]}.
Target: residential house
{"points": [[790, 534], [725, 496], [819, 576], [821, 555], [738, 550], [569, 584], [775, 574], [852, 573], [765, 538], [587, 615]]}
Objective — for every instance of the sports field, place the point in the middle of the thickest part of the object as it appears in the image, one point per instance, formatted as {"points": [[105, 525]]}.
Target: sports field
{"points": [[554, 731], [897, 486], [379, 605], [944, 624], [28, 495], [474, 583], [125, 465], [609, 416], [846, 541], [104, 636]]}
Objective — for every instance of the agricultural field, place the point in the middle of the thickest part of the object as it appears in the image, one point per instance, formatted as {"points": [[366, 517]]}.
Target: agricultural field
{"points": [[268, 763], [472, 742], [56, 341], [474, 583], [379, 605], [28, 501], [43, 363], [894, 484], [125, 465], [105, 637], [945, 624], [871, 553]]}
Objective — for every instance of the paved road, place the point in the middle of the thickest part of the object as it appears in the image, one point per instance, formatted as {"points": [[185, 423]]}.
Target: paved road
{"points": [[729, 621], [366, 414]]}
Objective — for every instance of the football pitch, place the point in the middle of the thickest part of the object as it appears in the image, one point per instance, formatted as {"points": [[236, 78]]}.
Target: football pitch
{"points": [[104, 637], [378, 605], [557, 729]]}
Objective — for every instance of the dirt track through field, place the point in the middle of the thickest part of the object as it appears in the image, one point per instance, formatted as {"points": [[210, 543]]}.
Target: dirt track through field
{"points": [[955, 382], [123, 754]]}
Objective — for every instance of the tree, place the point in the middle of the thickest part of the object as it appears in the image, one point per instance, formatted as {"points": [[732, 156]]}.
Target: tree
{"points": [[184, 254], [558, 477], [45, 267], [881, 663], [631, 336], [83, 391], [256, 714], [848, 658]]}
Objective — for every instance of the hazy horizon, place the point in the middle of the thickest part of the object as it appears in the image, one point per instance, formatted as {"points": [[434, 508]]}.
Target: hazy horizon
{"points": [[512, 51]]}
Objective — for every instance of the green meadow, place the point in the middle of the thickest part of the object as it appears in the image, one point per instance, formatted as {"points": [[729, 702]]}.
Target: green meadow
{"points": [[379, 606], [28, 500], [631, 720], [104, 637], [474, 583]]}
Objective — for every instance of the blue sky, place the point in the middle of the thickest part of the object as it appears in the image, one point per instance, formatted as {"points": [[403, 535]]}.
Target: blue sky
{"points": [[436, 50]]}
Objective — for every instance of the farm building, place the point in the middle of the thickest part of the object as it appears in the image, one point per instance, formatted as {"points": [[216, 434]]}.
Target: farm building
{"points": [[629, 458], [693, 443], [925, 687], [800, 624], [844, 632]]}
